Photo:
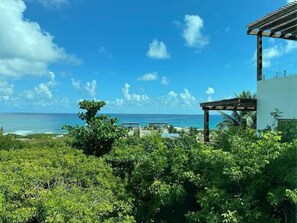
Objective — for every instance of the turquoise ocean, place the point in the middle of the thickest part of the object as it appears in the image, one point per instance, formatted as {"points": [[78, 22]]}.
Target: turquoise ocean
{"points": [[32, 123]]}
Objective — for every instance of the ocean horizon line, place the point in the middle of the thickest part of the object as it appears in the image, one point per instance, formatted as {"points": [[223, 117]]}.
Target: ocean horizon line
{"points": [[54, 122]]}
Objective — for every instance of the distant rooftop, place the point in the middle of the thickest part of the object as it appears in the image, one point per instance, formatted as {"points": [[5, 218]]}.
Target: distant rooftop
{"points": [[281, 23]]}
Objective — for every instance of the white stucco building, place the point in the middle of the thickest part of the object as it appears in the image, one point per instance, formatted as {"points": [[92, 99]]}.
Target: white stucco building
{"points": [[280, 92]]}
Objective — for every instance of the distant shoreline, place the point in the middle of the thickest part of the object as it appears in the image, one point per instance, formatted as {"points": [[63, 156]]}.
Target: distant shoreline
{"points": [[36, 123]]}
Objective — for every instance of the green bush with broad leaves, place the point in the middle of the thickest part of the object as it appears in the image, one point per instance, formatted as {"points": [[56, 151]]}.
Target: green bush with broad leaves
{"points": [[244, 179], [100, 132], [59, 185]]}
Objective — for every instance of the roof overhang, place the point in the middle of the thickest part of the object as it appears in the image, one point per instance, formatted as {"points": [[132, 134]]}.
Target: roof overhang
{"points": [[234, 104], [281, 23]]}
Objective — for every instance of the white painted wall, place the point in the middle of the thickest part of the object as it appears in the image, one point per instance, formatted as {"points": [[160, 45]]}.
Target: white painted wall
{"points": [[280, 93]]}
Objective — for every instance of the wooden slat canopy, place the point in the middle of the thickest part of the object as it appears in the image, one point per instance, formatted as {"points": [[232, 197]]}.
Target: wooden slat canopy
{"points": [[281, 23], [234, 104]]}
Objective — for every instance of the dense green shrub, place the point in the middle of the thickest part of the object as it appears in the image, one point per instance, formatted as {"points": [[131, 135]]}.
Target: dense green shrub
{"points": [[100, 132], [8, 142], [243, 179], [59, 185]]}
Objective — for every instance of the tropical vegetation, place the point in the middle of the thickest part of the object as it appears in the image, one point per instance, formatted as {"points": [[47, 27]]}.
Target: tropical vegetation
{"points": [[241, 177], [245, 119]]}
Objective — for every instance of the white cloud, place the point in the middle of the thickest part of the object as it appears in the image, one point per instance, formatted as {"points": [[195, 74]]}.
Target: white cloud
{"points": [[90, 87], [290, 1], [275, 51], [172, 101], [164, 80], [43, 90], [172, 94], [26, 49], [75, 83], [133, 97], [149, 77], [6, 90], [291, 45], [192, 32], [158, 50], [51, 3], [187, 98], [269, 54], [210, 91]]}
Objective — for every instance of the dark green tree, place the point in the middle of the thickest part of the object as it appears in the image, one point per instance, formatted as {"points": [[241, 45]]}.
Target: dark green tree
{"points": [[99, 133], [245, 119]]}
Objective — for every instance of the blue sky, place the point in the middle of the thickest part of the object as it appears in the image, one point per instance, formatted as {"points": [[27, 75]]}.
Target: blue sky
{"points": [[137, 56]]}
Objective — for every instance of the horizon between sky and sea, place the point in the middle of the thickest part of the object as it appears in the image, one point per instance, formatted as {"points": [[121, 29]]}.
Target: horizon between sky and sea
{"points": [[52, 123]]}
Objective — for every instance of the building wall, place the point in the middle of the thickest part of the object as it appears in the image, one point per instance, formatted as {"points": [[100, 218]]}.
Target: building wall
{"points": [[280, 93]]}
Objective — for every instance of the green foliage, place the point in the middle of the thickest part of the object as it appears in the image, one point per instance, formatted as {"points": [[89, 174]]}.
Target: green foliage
{"points": [[243, 179], [59, 185], [100, 132], [287, 128], [9, 142], [247, 182], [244, 119]]}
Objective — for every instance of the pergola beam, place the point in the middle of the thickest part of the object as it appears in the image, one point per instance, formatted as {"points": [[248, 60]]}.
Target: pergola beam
{"points": [[273, 16], [281, 23], [271, 34], [234, 104]]}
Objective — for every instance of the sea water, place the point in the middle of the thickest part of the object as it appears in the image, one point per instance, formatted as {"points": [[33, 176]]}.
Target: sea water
{"points": [[32, 123]]}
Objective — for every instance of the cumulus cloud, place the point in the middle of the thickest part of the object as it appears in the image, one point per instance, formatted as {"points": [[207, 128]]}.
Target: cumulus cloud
{"points": [[187, 98], [210, 91], [43, 90], [6, 90], [291, 45], [276, 51], [170, 99], [164, 80], [90, 87], [75, 84], [149, 77], [26, 49], [192, 32], [51, 3], [158, 50], [133, 97]]}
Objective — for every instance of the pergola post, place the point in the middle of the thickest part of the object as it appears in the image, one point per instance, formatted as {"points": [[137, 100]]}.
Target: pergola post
{"points": [[206, 125], [259, 57]]}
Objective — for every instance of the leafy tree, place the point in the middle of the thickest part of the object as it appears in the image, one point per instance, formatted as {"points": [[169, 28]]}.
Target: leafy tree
{"points": [[252, 180], [245, 119], [59, 185], [246, 179], [288, 128], [100, 132]]}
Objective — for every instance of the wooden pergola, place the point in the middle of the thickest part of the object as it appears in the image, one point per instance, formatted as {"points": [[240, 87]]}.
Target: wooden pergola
{"points": [[281, 23], [234, 104]]}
